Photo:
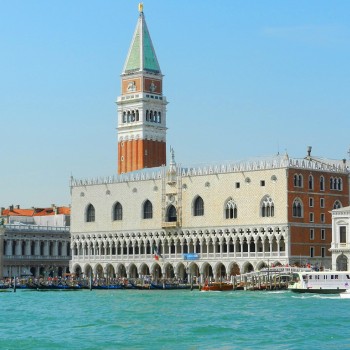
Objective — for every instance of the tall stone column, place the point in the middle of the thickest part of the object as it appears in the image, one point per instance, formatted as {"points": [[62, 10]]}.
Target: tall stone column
{"points": [[2, 235]]}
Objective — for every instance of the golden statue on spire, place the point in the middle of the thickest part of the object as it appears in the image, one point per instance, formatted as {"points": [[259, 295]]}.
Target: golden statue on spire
{"points": [[140, 7]]}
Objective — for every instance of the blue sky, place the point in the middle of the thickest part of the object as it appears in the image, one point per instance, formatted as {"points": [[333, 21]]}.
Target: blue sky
{"points": [[243, 79]]}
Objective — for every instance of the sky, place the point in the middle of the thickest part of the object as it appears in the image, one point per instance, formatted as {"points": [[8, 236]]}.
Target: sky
{"points": [[244, 79]]}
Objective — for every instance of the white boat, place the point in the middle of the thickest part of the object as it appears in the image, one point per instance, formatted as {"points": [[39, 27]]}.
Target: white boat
{"points": [[325, 282], [346, 294]]}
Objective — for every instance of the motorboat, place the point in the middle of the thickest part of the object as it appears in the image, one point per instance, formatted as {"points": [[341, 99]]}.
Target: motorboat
{"points": [[324, 282], [217, 287]]}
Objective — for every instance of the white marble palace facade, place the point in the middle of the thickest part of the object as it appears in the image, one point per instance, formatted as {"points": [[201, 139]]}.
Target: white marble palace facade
{"points": [[233, 218]]}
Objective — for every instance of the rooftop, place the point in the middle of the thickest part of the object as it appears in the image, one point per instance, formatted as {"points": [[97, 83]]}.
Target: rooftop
{"points": [[254, 164], [141, 56]]}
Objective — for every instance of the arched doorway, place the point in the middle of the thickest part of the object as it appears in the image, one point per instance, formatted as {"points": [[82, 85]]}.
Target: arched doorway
{"points": [[133, 271], [220, 272], [157, 272], [234, 269], [169, 271], [33, 271], [342, 263], [248, 267], [121, 271], [88, 271], [99, 271], [110, 273], [207, 271], [77, 271], [144, 270]]}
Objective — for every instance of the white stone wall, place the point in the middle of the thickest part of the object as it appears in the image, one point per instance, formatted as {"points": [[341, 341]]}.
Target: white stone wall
{"points": [[215, 189]]}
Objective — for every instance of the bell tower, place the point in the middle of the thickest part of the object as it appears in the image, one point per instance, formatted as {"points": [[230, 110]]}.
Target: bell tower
{"points": [[141, 106]]}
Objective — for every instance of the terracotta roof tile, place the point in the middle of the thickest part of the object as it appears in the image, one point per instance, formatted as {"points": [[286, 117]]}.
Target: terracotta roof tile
{"points": [[36, 211]]}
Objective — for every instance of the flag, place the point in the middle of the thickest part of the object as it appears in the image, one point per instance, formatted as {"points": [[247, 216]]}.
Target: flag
{"points": [[156, 253]]}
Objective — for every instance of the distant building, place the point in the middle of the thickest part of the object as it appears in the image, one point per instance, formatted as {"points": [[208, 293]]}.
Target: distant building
{"points": [[340, 247], [213, 220], [34, 241]]}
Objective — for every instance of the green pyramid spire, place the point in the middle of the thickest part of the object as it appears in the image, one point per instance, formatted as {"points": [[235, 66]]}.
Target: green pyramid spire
{"points": [[141, 56]]}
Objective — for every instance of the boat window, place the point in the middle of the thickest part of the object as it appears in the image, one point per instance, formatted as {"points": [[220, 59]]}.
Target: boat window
{"points": [[332, 277], [348, 277], [336, 277], [310, 277], [304, 277]]}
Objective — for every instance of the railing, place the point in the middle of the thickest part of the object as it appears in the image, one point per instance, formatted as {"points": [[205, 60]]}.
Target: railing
{"points": [[170, 224], [344, 246], [36, 228], [36, 257], [179, 256]]}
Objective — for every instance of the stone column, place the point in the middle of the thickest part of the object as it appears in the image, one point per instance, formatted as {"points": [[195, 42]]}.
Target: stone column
{"points": [[46, 248], [37, 247], [248, 244], [8, 244], [18, 247], [55, 248], [2, 239]]}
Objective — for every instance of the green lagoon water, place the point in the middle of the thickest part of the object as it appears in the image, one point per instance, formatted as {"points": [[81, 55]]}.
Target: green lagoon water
{"points": [[133, 319]]}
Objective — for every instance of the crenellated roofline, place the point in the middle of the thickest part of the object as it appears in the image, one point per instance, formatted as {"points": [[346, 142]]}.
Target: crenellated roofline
{"points": [[267, 163]]}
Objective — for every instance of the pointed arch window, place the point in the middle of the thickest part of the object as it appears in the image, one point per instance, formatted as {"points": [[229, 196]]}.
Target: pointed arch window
{"points": [[339, 184], [117, 212], [337, 204], [147, 210], [171, 214], [297, 208], [90, 213], [198, 207], [267, 207], [231, 209], [322, 183], [311, 182], [298, 180]]}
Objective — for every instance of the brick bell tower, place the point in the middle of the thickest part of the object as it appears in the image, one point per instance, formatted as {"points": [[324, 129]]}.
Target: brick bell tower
{"points": [[141, 106]]}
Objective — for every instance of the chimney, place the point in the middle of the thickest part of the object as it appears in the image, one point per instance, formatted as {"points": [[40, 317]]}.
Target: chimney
{"points": [[309, 148], [17, 207], [11, 207], [1, 210]]}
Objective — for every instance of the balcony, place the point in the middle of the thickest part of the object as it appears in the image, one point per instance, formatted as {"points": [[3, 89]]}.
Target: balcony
{"points": [[340, 247], [36, 257], [36, 228], [170, 224]]}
